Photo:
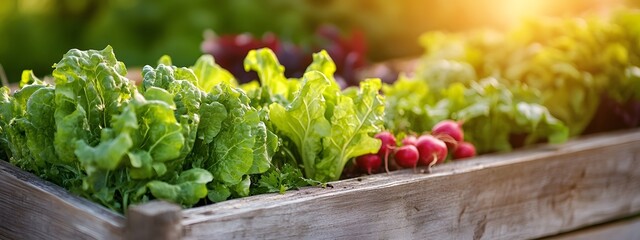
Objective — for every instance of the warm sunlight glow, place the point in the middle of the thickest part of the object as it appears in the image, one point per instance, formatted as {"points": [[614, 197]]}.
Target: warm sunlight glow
{"points": [[508, 12], [513, 10]]}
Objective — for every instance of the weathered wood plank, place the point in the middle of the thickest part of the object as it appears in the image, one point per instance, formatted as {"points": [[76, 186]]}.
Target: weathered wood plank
{"points": [[525, 194], [627, 229], [156, 220], [31, 208]]}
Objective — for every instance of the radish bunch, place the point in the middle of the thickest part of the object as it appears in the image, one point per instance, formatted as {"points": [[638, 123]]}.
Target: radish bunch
{"points": [[371, 163], [425, 150], [451, 132]]}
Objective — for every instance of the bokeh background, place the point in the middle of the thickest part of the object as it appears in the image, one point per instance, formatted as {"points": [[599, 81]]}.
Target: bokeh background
{"points": [[34, 34]]}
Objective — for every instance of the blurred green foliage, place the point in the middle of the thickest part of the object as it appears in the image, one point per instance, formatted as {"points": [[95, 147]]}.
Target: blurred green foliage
{"points": [[574, 63], [35, 33]]}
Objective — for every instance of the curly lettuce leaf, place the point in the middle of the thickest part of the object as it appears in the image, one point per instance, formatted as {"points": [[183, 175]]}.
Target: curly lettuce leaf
{"points": [[493, 115], [323, 63], [356, 118], [210, 74], [176, 87], [270, 72], [163, 139], [325, 142], [90, 89], [199, 113], [28, 78], [263, 149], [274, 86], [28, 132], [145, 133], [95, 134], [407, 102], [303, 120], [232, 153], [225, 134]]}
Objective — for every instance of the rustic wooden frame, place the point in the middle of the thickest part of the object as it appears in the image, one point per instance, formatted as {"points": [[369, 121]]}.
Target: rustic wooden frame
{"points": [[529, 193], [31, 208], [621, 229]]}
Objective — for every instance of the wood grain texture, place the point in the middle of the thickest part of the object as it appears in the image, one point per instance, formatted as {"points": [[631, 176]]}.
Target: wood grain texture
{"points": [[524, 194], [31, 208], [627, 229], [158, 220]]}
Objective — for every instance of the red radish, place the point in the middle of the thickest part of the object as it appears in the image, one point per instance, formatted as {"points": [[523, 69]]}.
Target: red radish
{"points": [[431, 149], [451, 129], [407, 156], [369, 162], [464, 150], [386, 148], [409, 140], [388, 143]]}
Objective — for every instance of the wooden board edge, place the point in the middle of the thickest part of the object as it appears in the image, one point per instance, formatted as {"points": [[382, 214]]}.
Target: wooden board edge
{"points": [[625, 145], [37, 194], [596, 141], [158, 220], [622, 229]]}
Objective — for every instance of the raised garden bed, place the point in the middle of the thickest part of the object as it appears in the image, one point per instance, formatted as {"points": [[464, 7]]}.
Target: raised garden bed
{"points": [[528, 193]]}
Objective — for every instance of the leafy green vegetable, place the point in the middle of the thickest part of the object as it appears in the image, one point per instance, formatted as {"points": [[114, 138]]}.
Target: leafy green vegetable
{"points": [[326, 126], [182, 136], [273, 86], [210, 74], [232, 155], [356, 118], [303, 121], [280, 180], [270, 72], [176, 87], [148, 135], [25, 131], [227, 135], [218, 192], [573, 63], [189, 188], [263, 149], [492, 113], [408, 104]]}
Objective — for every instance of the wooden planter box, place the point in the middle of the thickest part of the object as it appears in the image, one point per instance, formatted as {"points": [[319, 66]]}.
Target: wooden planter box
{"points": [[530, 193]]}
